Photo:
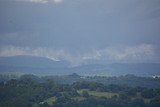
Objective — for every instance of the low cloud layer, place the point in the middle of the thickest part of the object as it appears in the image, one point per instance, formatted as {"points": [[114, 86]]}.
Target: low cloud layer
{"points": [[143, 53]]}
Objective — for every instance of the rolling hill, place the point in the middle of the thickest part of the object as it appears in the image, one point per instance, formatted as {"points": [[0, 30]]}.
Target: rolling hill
{"points": [[45, 66]]}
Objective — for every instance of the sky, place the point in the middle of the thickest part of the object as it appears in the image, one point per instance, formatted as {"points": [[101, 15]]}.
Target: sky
{"points": [[82, 31]]}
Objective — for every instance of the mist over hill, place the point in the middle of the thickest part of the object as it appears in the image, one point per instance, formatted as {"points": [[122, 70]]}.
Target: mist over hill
{"points": [[31, 64], [45, 66]]}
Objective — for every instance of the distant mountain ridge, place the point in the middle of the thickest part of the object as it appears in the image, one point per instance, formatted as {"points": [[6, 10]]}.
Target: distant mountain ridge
{"points": [[31, 61], [31, 64], [118, 69], [46, 66]]}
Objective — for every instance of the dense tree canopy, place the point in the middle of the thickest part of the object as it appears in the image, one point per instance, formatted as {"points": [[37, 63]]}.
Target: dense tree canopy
{"points": [[28, 91]]}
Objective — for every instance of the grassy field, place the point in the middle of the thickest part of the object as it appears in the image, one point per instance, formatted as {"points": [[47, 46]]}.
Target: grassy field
{"points": [[99, 94], [102, 94], [109, 95], [50, 101]]}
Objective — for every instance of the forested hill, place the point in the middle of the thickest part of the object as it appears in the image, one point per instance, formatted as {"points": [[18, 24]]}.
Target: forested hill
{"points": [[129, 80], [31, 91]]}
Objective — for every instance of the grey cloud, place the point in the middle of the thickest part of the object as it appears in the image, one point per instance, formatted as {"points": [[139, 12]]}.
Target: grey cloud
{"points": [[81, 31], [40, 1]]}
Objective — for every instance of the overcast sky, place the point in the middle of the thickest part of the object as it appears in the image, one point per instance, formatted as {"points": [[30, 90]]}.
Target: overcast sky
{"points": [[82, 31]]}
